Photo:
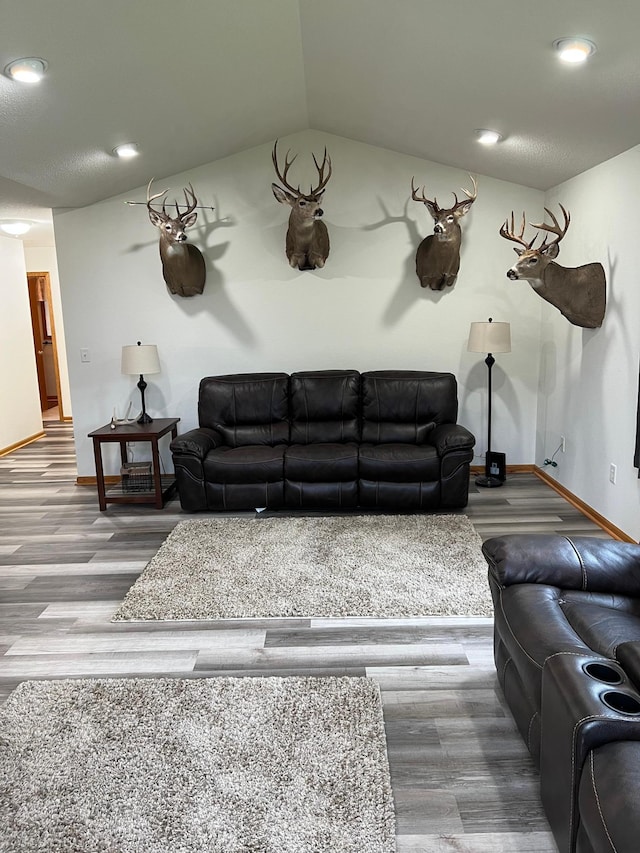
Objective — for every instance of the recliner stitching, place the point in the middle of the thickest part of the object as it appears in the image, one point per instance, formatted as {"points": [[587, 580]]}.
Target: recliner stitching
{"points": [[597, 798], [581, 655], [535, 662], [555, 654], [188, 473], [535, 714], [504, 668], [573, 756], [580, 560]]}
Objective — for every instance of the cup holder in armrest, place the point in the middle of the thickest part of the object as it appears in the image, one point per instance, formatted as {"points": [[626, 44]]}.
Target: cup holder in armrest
{"points": [[624, 703], [603, 672]]}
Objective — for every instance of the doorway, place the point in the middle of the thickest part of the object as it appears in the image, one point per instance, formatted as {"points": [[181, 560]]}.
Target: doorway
{"points": [[45, 346]]}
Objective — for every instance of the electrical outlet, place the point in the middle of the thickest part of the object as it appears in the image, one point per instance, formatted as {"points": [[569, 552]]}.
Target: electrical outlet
{"points": [[85, 356], [613, 471], [562, 444]]}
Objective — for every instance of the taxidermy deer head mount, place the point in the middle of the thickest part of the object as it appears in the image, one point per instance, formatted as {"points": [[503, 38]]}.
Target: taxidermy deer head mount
{"points": [[183, 266], [438, 256], [577, 292], [307, 242]]}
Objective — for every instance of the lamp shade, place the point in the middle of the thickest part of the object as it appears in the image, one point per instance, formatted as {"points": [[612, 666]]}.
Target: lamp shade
{"points": [[489, 337], [140, 358]]}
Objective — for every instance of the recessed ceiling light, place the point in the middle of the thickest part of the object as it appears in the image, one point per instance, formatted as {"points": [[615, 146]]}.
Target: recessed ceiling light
{"points": [[15, 228], [574, 49], [488, 137], [27, 70], [126, 150]]}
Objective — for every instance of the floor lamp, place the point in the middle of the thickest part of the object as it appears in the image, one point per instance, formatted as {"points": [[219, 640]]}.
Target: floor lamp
{"points": [[489, 337], [139, 359]]}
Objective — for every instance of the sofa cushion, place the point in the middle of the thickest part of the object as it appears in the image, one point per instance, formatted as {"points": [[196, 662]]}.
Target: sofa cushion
{"points": [[602, 621], [406, 405], [399, 463], [246, 408], [324, 406], [321, 463], [251, 464]]}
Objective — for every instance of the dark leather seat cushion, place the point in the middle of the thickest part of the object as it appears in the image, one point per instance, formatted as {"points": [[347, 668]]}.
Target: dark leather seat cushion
{"points": [[252, 464], [399, 463], [321, 463], [609, 814], [601, 620]]}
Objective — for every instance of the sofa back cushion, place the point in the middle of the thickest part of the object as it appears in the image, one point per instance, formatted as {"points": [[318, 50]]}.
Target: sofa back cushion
{"points": [[325, 406], [246, 408], [405, 405]]}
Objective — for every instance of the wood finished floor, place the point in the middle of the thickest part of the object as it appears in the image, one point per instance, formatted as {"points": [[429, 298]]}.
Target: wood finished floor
{"points": [[462, 778]]}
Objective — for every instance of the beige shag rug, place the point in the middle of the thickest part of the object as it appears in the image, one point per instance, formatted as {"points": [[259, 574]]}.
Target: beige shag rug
{"points": [[226, 765], [376, 565]]}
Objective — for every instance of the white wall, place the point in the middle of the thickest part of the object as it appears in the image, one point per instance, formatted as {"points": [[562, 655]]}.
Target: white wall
{"points": [[43, 259], [20, 416], [589, 378], [364, 310]]}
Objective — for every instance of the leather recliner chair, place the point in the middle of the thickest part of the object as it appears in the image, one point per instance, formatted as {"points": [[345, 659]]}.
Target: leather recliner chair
{"points": [[567, 654]]}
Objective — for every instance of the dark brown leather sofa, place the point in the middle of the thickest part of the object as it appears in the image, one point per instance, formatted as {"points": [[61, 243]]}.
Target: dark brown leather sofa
{"points": [[567, 653], [325, 439]]}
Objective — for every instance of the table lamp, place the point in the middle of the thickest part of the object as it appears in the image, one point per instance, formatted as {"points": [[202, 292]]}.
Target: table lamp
{"points": [[137, 360]]}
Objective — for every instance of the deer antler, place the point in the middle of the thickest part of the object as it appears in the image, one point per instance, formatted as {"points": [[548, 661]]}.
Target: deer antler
{"points": [[511, 235], [556, 228], [190, 203], [282, 177], [423, 198], [154, 197], [471, 197], [323, 181]]}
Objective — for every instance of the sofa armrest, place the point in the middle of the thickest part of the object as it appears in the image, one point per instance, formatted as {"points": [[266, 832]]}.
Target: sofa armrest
{"points": [[578, 562], [197, 442], [450, 437]]}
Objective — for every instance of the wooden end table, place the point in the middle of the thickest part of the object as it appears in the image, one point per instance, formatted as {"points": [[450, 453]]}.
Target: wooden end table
{"points": [[162, 487]]}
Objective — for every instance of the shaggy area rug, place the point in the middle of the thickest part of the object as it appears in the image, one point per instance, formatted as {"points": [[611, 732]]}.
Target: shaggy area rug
{"points": [[228, 765], [376, 565]]}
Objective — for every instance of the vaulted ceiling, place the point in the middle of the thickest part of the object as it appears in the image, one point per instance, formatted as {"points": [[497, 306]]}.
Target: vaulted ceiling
{"points": [[193, 81]]}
